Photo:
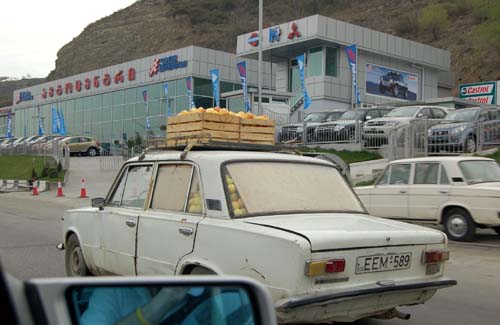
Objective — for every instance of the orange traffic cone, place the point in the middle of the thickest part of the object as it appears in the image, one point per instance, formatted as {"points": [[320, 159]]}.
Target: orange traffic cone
{"points": [[83, 191], [59, 189], [35, 188]]}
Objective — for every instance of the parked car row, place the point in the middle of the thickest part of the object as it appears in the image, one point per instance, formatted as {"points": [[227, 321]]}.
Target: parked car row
{"points": [[79, 145]]}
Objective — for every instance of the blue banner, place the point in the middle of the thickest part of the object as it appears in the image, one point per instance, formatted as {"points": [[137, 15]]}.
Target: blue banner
{"points": [[242, 68], [351, 52], [8, 133], [146, 108], [300, 62], [62, 129], [189, 86], [214, 75], [55, 122], [165, 89], [40, 123]]}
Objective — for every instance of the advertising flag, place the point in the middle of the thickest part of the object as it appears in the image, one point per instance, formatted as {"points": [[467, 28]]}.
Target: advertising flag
{"points": [[214, 75], [242, 68], [55, 122], [351, 52], [146, 108], [189, 85], [40, 123], [62, 129], [8, 133], [300, 62], [165, 89]]}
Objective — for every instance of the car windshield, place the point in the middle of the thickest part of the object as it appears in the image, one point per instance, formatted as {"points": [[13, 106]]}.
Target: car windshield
{"points": [[396, 77], [480, 171], [353, 115], [316, 117], [262, 188], [333, 116], [463, 115], [402, 112]]}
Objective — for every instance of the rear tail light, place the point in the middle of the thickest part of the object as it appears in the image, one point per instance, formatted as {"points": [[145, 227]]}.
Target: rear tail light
{"points": [[314, 268], [435, 256], [98, 143]]}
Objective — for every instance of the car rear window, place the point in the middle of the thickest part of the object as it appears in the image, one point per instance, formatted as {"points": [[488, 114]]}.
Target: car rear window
{"points": [[259, 188]]}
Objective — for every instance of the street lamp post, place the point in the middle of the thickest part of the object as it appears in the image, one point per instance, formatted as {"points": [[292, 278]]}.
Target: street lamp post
{"points": [[259, 77]]}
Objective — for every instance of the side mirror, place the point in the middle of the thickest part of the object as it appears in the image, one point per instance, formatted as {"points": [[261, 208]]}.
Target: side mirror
{"points": [[152, 300], [98, 202], [420, 115], [368, 117]]}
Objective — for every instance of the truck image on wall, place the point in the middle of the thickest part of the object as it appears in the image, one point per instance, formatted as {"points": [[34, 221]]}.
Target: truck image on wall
{"points": [[394, 82]]}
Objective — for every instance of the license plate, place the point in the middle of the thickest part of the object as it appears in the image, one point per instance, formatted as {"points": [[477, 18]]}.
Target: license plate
{"points": [[381, 263]]}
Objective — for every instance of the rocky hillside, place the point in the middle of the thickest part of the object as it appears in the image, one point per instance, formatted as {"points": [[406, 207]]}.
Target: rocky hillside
{"points": [[8, 87], [468, 28]]}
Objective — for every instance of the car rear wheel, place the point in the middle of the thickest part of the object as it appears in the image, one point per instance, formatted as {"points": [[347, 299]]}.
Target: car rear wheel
{"points": [[73, 258], [200, 270], [470, 144], [92, 152], [395, 91], [497, 229], [459, 225]]}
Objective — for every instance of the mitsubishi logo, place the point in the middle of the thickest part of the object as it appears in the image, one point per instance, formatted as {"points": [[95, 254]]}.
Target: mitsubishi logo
{"points": [[295, 32]]}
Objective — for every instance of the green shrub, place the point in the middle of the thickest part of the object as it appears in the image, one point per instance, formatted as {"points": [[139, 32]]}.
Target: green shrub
{"points": [[434, 18], [33, 174], [458, 8], [488, 34], [407, 23], [53, 173], [45, 172]]}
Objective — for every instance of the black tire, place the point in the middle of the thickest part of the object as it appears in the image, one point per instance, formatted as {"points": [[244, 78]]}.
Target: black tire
{"points": [[497, 229], [200, 270], [459, 225], [381, 88], [73, 258], [470, 144], [395, 91], [92, 152], [405, 93]]}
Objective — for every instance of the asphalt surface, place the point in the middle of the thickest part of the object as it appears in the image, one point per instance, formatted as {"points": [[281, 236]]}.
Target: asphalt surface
{"points": [[30, 228]]}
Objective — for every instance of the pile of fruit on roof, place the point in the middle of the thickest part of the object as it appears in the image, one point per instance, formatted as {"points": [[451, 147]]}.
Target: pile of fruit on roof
{"points": [[223, 111]]}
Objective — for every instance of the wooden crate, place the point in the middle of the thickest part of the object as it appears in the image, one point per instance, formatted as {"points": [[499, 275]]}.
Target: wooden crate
{"points": [[257, 131], [202, 128]]}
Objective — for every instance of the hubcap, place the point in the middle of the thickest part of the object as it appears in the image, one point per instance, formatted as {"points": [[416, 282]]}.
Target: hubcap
{"points": [[76, 260], [457, 225], [471, 145]]}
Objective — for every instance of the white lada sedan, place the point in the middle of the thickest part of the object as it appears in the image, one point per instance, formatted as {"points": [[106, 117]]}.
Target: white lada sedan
{"points": [[288, 221], [462, 193]]}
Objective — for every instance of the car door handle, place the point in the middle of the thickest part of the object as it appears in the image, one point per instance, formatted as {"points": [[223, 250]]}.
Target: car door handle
{"points": [[130, 223], [443, 191], [403, 191], [186, 231]]}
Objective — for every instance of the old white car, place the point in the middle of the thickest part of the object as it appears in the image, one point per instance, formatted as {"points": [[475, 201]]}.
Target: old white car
{"points": [[461, 193], [291, 222]]}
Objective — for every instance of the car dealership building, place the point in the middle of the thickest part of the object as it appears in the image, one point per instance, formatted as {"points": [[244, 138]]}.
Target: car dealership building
{"points": [[108, 103]]}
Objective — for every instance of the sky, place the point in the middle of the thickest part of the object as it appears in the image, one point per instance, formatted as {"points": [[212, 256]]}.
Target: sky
{"points": [[32, 31]]}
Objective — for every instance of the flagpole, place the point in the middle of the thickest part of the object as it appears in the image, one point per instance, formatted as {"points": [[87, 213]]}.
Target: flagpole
{"points": [[261, 40]]}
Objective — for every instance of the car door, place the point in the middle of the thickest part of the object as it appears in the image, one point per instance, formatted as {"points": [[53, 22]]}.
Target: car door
{"points": [[74, 144], [119, 218], [167, 229], [428, 192], [389, 198]]}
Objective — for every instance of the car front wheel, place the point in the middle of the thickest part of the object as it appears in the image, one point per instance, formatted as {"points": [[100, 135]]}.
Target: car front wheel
{"points": [[497, 229], [92, 152], [395, 91], [73, 258], [470, 144], [459, 225]]}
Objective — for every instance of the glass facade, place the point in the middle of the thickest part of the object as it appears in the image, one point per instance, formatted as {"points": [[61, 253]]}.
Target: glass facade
{"points": [[331, 61], [117, 116], [315, 61]]}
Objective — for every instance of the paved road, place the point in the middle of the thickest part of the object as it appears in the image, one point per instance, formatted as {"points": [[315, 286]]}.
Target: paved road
{"points": [[30, 229]]}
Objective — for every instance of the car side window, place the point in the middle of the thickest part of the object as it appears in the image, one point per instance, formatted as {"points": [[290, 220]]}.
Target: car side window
{"points": [[116, 199], [426, 173], [425, 113], [444, 176], [136, 186], [438, 113], [384, 180], [172, 186], [400, 174]]}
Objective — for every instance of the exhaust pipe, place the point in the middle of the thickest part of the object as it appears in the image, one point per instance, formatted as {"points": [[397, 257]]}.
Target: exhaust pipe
{"points": [[393, 313]]}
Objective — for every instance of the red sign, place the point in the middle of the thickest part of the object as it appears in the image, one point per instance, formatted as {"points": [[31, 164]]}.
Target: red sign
{"points": [[88, 83], [253, 40], [295, 32]]}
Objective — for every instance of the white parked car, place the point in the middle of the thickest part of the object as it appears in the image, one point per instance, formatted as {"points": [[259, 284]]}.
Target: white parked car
{"points": [[462, 193], [291, 222]]}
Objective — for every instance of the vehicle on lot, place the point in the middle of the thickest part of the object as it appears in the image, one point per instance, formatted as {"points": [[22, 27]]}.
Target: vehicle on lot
{"points": [[344, 129], [461, 193], [294, 132], [40, 142], [395, 83], [135, 300], [377, 130], [6, 143], [459, 130], [226, 211], [79, 145]]}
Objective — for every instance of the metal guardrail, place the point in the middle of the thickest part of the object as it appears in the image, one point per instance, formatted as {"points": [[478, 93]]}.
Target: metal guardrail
{"points": [[50, 148]]}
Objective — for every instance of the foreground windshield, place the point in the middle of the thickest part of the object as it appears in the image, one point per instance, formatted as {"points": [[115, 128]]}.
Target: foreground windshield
{"points": [[258, 188], [316, 117], [353, 115], [402, 112], [480, 171], [464, 115]]}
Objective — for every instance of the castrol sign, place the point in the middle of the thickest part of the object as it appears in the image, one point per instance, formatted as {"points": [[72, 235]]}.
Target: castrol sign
{"points": [[483, 93]]}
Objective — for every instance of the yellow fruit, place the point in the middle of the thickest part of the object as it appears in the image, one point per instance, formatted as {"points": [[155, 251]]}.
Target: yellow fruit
{"points": [[200, 110], [238, 212], [193, 110], [194, 208], [242, 114], [243, 211], [224, 111], [250, 116], [233, 196], [235, 205], [184, 112], [231, 188], [241, 204], [195, 201], [262, 117]]}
